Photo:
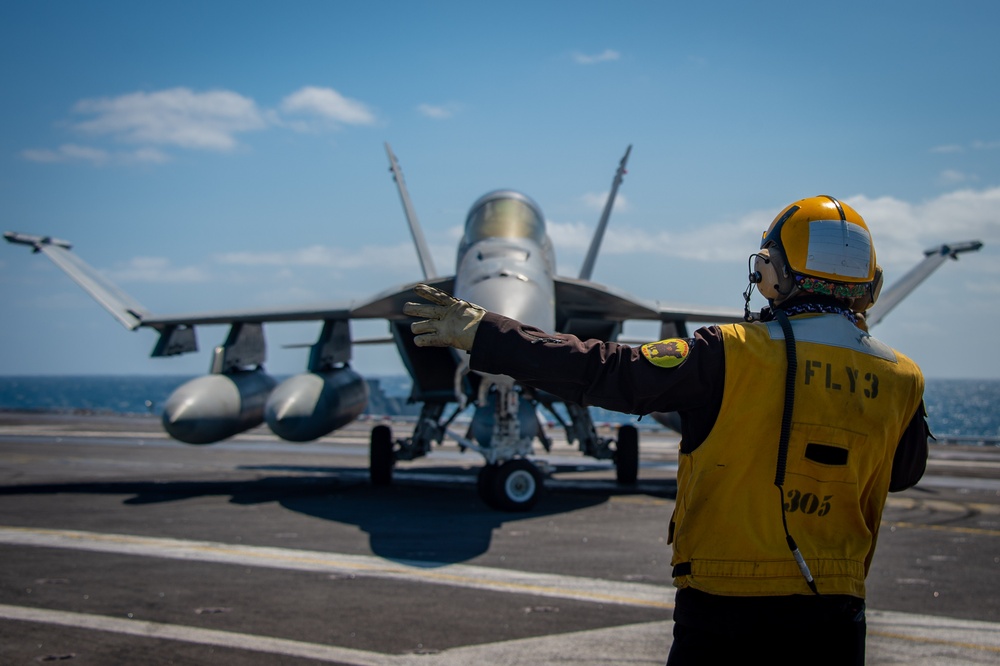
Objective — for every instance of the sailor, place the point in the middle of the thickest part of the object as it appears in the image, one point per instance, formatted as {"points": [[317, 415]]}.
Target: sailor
{"points": [[795, 425]]}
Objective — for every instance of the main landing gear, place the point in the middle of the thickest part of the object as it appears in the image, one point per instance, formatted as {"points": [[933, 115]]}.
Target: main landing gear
{"points": [[514, 485]]}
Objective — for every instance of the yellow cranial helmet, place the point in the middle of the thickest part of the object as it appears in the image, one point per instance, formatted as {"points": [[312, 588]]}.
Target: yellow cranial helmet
{"points": [[819, 245]]}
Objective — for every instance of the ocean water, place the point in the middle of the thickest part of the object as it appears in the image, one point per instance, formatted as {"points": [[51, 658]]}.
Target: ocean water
{"points": [[146, 394], [958, 409]]}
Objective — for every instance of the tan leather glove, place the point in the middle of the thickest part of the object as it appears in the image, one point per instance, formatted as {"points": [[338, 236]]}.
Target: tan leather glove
{"points": [[449, 323]]}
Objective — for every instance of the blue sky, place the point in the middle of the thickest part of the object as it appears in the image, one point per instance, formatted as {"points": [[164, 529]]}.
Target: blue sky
{"points": [[229, 154]]}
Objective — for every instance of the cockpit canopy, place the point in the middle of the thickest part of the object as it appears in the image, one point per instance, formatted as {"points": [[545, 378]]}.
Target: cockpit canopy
{"points": [[504, 214]]}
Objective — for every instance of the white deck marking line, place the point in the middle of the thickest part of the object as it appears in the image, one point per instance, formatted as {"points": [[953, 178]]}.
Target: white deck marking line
{"points": [[197, 635], [646, 643], [936, 630], [456, 575], [913, 630], [957, 641]]}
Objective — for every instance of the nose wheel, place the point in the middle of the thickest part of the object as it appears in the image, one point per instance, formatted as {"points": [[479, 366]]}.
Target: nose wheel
{"points": [[514, 485]]}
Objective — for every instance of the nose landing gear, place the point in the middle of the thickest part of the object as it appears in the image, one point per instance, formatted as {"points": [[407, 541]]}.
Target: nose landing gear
{"points": [[514, 485]]}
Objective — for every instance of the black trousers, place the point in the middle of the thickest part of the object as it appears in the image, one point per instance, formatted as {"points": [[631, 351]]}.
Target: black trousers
{"points": [[799, 629]]}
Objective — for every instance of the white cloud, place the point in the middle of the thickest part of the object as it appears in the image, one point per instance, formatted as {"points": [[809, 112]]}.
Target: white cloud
{"points": [[282, 296], [150, 155], [978, 144], [902, 230], [67, 152], [156, 270], [314, 255], [605, 56], [455, 233], [952, 177], [598, 201], [70, 152], [322, 256], [570, 237], [438, 112], [177, 117], [183, 118], [329, 105]]}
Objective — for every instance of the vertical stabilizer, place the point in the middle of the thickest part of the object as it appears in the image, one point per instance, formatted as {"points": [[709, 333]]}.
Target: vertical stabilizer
{"points": [[423, 253], [595, 245]]}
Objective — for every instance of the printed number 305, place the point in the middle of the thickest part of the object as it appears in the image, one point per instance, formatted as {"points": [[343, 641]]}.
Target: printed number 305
{"points": [[807, 503]]}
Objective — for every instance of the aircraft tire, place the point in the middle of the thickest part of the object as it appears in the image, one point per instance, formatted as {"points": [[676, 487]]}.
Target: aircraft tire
{"points": [[517, 485], [627, 455], [484, 484], [381, 458]]}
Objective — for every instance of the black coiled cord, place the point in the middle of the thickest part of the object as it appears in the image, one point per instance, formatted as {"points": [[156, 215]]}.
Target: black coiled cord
{"points": [[786, 434]]}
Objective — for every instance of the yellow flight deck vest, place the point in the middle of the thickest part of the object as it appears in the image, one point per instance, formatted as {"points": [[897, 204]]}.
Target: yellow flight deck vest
{"points": [[854, 397]]}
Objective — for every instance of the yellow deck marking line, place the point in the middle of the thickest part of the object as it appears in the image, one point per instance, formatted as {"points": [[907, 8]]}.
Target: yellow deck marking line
{"points": [[981, 531]]}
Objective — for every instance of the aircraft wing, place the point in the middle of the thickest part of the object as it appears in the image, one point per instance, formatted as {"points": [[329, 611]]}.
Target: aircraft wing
{"points": [[592, 310], [385, 305], [389, 304], [132, 315], [177, 331], [121, 306]]}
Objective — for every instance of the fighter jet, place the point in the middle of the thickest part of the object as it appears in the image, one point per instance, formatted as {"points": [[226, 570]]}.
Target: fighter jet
{"points": [[505, 263]]}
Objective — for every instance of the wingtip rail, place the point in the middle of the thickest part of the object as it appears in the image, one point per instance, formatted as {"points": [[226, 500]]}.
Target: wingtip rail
{"points": [[952, 250], [37, 242]]}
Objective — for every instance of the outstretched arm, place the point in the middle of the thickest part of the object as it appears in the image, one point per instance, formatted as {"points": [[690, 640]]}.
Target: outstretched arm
{"points": [[587, 372]]}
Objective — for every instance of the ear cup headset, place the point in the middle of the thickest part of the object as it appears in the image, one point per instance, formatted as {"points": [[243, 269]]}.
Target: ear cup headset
{"points": [[821, 245], [771, 275]]}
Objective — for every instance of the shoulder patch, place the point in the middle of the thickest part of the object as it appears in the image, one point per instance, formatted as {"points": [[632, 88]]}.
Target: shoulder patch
{"points": [[666, 353]]}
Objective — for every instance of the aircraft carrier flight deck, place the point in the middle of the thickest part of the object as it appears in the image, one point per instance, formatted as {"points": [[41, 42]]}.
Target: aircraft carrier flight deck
{"points": [[120, 545]]}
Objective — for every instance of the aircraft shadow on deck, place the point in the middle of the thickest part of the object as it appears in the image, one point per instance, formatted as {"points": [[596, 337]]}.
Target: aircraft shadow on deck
{"points": [[420, 522]]}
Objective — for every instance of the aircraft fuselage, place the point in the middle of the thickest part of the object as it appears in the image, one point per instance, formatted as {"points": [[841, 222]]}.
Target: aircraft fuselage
{"points": [[505, 260]]}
